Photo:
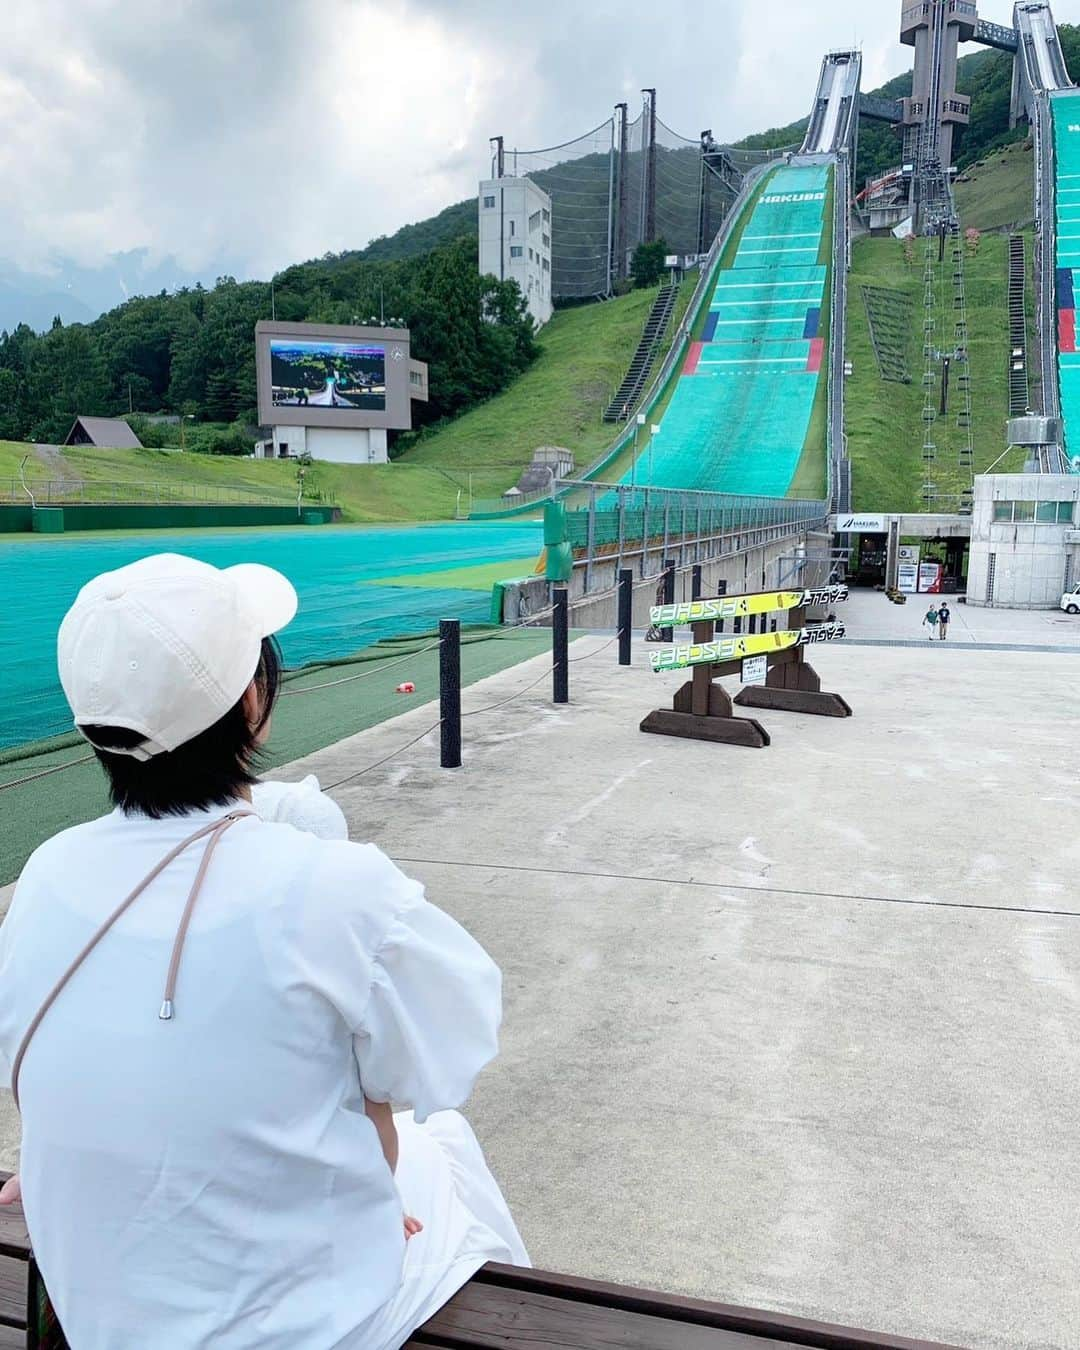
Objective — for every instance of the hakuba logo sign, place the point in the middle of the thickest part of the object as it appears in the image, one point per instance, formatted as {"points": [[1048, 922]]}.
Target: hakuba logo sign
{"points": [[742, 606], [783, 197]]}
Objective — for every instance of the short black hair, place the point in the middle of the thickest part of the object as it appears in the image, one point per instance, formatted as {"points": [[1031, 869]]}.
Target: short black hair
{"points": [[209, 770]]}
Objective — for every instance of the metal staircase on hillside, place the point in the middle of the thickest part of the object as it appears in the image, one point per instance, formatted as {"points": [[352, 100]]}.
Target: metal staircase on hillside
{"points": [[966, 449], [628, 393], [1018, 375]]}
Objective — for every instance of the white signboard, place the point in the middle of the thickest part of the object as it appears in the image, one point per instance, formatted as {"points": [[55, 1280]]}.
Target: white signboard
{"points": [[907, 578], [860, 523], [755, 669], [671, 260]]}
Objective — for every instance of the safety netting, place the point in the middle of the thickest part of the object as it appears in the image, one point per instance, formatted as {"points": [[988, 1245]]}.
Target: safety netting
{"points": [[629, 182], [357, 587], [740, 414]]}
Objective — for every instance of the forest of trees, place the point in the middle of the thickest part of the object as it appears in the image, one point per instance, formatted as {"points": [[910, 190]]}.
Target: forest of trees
{"points": [[193, 351]]}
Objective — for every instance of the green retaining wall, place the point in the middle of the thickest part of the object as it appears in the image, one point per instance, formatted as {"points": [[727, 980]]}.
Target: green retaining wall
{"points": [[108, 516]]}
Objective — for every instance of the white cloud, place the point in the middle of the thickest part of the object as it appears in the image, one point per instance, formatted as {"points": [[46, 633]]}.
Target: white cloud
{"points": [[266, 131]]}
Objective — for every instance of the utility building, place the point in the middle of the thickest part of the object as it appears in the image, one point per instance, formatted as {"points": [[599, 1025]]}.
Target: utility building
{"points": [[515, 239]]}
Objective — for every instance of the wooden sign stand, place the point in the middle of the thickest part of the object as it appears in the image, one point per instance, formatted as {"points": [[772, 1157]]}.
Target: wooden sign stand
{"points": [[702, 709], [792, 684]]}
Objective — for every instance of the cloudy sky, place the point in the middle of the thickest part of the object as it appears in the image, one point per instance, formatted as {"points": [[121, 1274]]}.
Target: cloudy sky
{"points": [[265, 131]]}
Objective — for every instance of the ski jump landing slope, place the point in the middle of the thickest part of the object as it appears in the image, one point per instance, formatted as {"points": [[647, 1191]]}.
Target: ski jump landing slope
{"points": [[740, 414]]}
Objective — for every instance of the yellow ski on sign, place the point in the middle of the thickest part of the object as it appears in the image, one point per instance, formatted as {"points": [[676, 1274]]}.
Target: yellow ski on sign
{"points": [[741, 606], [736, 648]]}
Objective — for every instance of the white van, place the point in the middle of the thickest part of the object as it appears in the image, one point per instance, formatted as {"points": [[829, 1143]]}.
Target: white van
{"points": [[1070, 601]]}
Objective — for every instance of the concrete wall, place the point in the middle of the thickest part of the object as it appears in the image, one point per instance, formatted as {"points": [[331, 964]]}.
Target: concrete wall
{"points": [[745, 566], [109, 516], [333, 445], [1021, 564], [515, 239]]}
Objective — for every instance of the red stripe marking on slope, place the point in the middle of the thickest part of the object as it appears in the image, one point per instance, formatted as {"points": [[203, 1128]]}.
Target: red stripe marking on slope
{"points": [[817, 354], [693, 356], [1067, 330]]}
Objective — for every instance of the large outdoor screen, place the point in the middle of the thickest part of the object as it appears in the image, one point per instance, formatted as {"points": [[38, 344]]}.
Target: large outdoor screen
{"points": [[319, 373]]}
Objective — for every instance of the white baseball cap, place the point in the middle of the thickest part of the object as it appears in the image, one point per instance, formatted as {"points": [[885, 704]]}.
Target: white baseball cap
{"points": [[167, 645]]}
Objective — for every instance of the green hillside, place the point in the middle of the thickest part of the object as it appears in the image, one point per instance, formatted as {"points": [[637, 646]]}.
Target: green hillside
{"points": [[997, 193], [558, 401], [883, 418]]}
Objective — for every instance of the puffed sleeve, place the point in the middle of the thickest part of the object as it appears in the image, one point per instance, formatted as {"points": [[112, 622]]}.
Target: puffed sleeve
{"points": [[432, 1017]]}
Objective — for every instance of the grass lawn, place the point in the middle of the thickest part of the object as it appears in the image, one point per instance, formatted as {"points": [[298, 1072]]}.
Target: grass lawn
{"points": [[884, 418], [557, 401], [387, 492], [999, 194]]}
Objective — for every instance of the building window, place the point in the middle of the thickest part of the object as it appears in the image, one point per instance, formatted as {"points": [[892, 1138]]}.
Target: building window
{"points": [[547, 265], [517, 251], [513, 228], [489, 202], [1042, 513], [283, 450], [534, 221], [547, 216], [545, 239]]}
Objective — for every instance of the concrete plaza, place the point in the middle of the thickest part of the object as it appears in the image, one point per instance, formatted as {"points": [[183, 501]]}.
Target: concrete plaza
{"points": [[792, 1027]]}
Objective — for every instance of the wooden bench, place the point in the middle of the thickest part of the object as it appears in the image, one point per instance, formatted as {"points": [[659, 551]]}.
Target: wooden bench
{"points": [[505, 1308]]}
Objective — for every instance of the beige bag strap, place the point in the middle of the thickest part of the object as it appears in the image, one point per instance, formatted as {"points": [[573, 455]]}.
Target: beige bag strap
{"points": [[215, 830]]}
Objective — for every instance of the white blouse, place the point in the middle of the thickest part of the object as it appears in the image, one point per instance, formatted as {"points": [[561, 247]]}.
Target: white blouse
{"points": [[214, 1177]]}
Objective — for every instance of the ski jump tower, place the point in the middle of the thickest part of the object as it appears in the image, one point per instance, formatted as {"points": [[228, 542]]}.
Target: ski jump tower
{"points": [[935, 28]]}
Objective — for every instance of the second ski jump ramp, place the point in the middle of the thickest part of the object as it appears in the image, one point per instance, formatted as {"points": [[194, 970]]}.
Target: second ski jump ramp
{"points": [[740, 414]]}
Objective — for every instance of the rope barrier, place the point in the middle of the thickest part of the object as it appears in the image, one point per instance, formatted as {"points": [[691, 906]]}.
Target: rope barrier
{"points": [[491, 707], [386, 758], [44, 773], [364, 674], [381, 668]]}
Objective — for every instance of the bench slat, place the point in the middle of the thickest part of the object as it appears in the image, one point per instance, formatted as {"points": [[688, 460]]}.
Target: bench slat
{"points": [[12, 1292], [797, 1331], [12, 1339], [14, 1239], [493, 1318]]}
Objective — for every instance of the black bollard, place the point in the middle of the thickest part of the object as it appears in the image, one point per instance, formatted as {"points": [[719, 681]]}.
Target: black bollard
{"points": [[626, 613], [560, 644], [450, 693]]}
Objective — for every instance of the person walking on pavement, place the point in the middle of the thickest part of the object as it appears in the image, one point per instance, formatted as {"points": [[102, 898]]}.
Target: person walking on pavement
{"points": [[943, 620], [931, 620]]}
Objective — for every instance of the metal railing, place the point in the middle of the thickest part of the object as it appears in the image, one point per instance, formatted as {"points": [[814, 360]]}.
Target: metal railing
{"points": [[1046, 255], [59, 491], [838, 486], [613, 521]]}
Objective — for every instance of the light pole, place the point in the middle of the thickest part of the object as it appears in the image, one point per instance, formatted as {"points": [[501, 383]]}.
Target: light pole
{"points": [[185, 417], [639, 422], [654, 431]]}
